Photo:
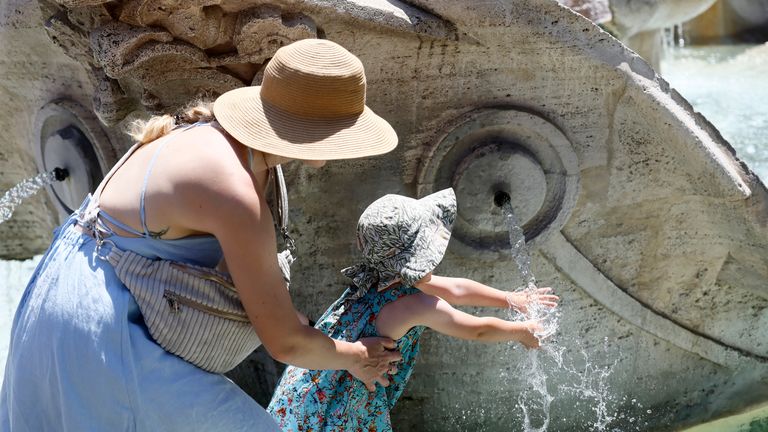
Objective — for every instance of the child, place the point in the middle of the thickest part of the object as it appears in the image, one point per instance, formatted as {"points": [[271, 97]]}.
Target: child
{"points": [[394, 294]]}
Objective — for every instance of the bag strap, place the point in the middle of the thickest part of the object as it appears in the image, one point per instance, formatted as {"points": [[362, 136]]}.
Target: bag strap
{"points": [[286, 257], [281, 194]]}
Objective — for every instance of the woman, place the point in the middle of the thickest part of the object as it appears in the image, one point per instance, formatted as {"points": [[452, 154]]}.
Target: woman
{"points": [[81, 357]]}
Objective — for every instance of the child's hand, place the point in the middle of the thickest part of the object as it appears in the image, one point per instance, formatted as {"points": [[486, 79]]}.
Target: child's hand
{"points": [[527, 334], [519, 300]]}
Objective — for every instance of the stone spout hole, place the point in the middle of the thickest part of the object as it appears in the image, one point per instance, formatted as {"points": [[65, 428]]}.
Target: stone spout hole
{"points": [[500, 198], [60, 174]]}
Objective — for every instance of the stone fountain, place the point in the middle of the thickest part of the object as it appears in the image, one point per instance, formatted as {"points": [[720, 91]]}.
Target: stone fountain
{"points": [[639, 214], [640, 24]]}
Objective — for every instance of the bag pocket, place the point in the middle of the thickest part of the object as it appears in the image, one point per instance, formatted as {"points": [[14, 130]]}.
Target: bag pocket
{"points": [[191, 311]]}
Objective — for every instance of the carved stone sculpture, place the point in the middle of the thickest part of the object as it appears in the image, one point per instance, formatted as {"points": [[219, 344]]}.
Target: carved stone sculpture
{"points": [[641, 216]]}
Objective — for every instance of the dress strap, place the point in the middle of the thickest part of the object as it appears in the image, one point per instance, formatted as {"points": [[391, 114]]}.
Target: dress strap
{"points": [[118, 224], [142, 208], [250, 159]]}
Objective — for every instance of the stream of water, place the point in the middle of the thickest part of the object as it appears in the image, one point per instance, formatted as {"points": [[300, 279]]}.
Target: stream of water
{"points": [[21, 191]]}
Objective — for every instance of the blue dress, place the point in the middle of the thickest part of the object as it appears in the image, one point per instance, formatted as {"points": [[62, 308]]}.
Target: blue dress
{"points": [[328, 400], [82, 359]]}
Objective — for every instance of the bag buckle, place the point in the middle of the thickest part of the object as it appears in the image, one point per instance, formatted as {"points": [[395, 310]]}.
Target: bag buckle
{"points": [[100, 241], [290, 244]]}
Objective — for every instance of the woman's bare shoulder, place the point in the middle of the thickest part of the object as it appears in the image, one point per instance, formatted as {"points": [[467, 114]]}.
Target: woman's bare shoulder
{"points": [[212, 177], [208, 160]]}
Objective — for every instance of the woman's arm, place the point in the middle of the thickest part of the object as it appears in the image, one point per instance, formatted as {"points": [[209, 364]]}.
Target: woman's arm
{"points": [[466, 292], [222, 267], [396, 318], [223, 201]]}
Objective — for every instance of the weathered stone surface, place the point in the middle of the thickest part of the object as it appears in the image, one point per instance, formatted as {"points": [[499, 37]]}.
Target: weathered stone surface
{"points": [[80, 3], [263, 30], [115, 43], [659, 254], [110, 102], [33, 71], [71, 39]]}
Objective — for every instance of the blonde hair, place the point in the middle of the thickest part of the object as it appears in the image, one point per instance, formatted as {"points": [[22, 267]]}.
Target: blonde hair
{"points": [[145, 131]]}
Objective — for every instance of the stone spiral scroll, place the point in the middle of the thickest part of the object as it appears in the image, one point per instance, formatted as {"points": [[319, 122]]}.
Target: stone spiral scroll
{"points": [[507, 150]]}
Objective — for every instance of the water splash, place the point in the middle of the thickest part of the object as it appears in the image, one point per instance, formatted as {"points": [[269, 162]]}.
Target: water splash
{"points": [[25, 189], [588, 382], [536, 401], [578, 376], [672, 38]]}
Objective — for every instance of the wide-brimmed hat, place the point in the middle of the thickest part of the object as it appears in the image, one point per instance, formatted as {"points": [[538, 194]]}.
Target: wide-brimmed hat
{"points": [[310, 105], [402, 238]]}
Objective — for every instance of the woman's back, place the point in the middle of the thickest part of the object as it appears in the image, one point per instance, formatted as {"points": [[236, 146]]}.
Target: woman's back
{"points": [[166, 175]]}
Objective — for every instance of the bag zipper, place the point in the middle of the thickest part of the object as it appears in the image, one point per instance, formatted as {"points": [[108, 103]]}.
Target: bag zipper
{"points": [[204, 275], [175, 299]]}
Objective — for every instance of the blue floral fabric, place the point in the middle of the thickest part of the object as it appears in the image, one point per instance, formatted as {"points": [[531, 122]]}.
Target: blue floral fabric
{"points": [[331, 400]]}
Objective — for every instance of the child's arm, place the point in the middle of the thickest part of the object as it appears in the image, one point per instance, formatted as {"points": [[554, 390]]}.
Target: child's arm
{"points": [[396, 318], [466, 292]]}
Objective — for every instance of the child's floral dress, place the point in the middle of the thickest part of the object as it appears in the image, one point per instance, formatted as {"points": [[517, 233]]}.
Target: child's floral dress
{"points": [[332, 400]]}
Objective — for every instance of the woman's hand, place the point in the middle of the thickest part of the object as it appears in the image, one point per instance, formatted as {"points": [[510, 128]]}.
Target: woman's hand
{"points": [[374, 360], [519, 300]]}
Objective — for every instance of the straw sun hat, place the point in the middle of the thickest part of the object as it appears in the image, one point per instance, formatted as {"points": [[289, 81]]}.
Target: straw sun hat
{"points": [[310, 105]]}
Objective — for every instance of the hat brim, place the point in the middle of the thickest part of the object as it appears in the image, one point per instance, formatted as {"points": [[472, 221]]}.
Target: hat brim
{"points": [[431, 243], [262, 126], [435, 243]]}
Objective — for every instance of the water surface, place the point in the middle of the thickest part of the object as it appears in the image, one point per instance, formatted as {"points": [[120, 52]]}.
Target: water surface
{"points": [[728, 84]]}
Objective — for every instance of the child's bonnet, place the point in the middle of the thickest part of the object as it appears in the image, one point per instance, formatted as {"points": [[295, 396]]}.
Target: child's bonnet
{"points": [[402, 238]]}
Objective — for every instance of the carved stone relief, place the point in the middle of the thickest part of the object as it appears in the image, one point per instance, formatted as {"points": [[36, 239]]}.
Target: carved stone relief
{"points": [[160, 55]]}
